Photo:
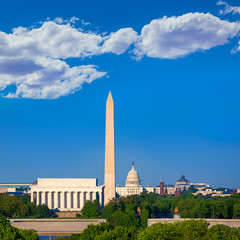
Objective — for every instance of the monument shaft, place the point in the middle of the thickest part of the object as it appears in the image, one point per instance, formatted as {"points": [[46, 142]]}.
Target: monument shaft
{"points": [[109, 191]]}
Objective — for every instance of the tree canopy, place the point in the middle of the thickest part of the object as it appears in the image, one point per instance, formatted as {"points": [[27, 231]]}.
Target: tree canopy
{"points": [[21, 207], [7, 232]]}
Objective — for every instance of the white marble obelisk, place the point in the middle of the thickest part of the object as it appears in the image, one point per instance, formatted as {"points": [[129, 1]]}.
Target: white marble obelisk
{"points": [[109, 191]]}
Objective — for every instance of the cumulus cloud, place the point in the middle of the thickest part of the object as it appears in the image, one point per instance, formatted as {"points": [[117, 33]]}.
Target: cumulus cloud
{"points": [[228, 8], [50, 40], [64, 41], [176, 37], [45, 78], [34, 60], [120, 41]]}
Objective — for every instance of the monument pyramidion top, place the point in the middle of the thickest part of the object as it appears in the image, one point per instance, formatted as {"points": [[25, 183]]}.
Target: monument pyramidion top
{"points": [[109, 97]]}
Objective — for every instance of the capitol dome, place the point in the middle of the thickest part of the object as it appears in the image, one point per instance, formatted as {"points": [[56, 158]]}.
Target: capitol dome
{"points": [[133, 178]]}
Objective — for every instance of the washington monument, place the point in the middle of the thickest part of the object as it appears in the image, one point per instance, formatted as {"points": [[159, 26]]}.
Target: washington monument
{"points": [[109, 191]]}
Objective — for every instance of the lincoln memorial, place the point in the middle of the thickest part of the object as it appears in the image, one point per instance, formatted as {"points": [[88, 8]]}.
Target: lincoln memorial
{"points": [[66, 194]]}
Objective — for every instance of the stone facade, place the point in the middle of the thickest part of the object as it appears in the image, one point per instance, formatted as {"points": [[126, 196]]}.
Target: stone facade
{"points": [[133, 185], [65, 194], [55, 227], [125, 191]]}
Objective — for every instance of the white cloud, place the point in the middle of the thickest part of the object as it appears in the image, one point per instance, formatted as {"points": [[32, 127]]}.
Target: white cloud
{"points": [[45, 78], [120, 41], [59, 20], [228, 8], [74, 19], [50, 40], [33, 59], [175, 37], [237, 48]]}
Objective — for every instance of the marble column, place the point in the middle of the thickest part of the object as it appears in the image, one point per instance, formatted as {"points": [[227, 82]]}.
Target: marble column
{"points": [[81, 200], [75, 200], [50, 200], [78, 202], [62, 200], [65, 199], [32, 196], [55, 201], [100, 198], [94, 196], [37, 198], [43, 197], [68, 200], [58, 199], [46, 198], [88, 196]]}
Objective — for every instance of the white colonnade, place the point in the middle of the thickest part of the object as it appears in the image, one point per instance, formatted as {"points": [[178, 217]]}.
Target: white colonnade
{"points": [[65, 200], [66, 194]]}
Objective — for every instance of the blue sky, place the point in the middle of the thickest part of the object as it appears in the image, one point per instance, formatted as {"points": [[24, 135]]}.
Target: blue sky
{"points": [[172, 67]]}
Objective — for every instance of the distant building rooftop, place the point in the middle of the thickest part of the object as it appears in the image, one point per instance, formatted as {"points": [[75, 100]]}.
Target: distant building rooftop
{"points": [[14, 185], [183, 179]]}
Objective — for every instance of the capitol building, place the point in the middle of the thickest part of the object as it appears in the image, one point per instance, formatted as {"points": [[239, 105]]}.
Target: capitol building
{"points": [[133, 185]]}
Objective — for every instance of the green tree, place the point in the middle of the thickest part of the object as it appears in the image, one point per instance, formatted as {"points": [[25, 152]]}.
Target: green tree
{"points": [[185, 207], [144, 218], [22, 210], [187, 230], [10, 206], [96, 206], [161, 207], [118, 233], [120, 218], [236, 210], [92, 231], [158, 231], [7, 232], [201, 209], [91, 209], [41, 211], [218, 208], [219, 232], [192, 229], [109, 209], [25, 199]]}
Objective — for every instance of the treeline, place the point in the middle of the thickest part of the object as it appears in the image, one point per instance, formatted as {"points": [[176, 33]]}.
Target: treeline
{"points": [[22, 207], [136, 209], [7, 232], [208, 207], [185, 230], [127, 217]]}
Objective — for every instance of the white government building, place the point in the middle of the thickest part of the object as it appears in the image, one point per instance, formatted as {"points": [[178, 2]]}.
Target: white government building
{"points": [[66, 194], [133, 185]]}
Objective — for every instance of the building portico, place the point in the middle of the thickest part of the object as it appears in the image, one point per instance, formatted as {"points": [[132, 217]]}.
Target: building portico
{"points": [[65, 194]]}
